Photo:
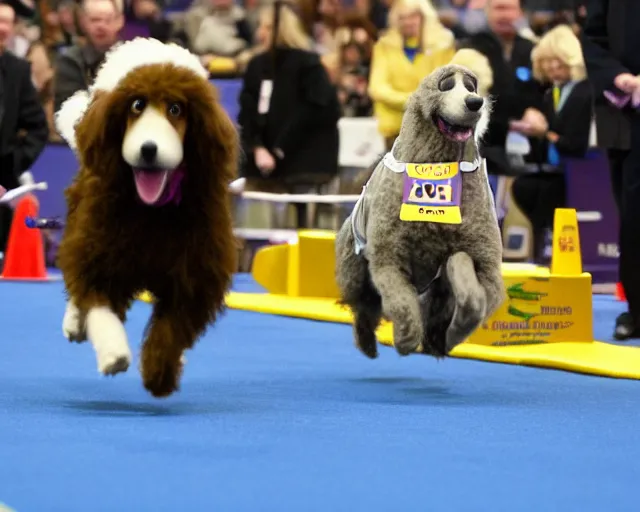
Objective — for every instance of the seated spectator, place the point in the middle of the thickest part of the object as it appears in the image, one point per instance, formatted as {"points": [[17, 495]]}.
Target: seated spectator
{"points": [[144, 18], [76, 67], [415, 45], [379, 13], [564, 130], [60, 26], [67, 11], [336, 27], [353, 81], [288, 111], [42, 76], [514, 87], [223, 30], [23, 32]]}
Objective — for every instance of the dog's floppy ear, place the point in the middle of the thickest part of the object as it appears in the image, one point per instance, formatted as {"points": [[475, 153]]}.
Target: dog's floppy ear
{"points": [[98, 134], [211, 143]]}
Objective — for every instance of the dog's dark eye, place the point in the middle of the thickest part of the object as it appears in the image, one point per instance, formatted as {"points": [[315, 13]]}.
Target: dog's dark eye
{"points": [[138, 105], [175, 110], [447, 83], [470, 83]]}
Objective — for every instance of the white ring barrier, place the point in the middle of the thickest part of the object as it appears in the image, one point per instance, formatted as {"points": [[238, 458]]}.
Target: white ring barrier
{"points": [[290, 235], [300, 198]]}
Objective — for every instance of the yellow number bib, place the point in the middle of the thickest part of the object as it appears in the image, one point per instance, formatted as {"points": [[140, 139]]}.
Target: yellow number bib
{"points": [[432, 193]]}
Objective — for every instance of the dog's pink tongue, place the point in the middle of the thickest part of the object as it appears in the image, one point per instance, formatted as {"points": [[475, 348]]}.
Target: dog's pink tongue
{"points": [[150, 184], [463, 136]]}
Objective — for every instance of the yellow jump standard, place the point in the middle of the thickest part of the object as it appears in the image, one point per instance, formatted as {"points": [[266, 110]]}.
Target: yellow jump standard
{"points": [[546, 320]]}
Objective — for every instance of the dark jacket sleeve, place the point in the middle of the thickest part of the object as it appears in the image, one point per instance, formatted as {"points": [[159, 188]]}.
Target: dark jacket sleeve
{"points": [[574, 141], [319, 106], [32, 121], [602, 67], [69, 80], [250, 130]]}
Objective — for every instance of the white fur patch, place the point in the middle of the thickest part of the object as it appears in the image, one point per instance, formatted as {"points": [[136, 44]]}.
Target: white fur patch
{"points": [[483, 123], [130, 55], [109, 340], [121, 60], [153, 126], [70, 114]]}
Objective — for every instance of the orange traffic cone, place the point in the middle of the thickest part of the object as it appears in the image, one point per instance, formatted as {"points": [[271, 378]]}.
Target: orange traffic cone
{"points": [[620, 295], [24, 257]]}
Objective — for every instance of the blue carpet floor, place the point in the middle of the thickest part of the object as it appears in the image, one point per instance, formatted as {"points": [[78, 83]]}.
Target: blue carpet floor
{"points": [[284, 415]]}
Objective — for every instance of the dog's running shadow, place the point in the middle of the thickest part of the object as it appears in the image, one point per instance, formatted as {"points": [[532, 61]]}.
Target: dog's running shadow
{"points": [[115, 408], [413, 391]]}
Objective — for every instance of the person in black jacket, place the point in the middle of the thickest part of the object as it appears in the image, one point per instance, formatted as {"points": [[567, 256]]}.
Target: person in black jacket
{"points": [[564, 132], [611, 46], [23, 123], [514, 87], [289, 111]]}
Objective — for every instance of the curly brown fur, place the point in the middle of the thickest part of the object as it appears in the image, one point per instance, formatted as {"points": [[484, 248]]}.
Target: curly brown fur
{"points": [[402, 260], [115, 247]]}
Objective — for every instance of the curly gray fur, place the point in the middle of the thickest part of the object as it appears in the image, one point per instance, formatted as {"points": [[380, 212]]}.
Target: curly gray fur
{"points": [[436, 282]]}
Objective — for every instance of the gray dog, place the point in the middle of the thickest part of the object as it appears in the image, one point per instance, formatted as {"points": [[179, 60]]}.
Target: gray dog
{"points": [[422, 246]]}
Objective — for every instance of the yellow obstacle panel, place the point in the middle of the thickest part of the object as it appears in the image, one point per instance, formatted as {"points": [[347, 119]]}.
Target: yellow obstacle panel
{"points": [[595, 358]]}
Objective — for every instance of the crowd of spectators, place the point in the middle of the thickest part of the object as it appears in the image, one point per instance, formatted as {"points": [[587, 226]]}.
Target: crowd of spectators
{"points": [[65, 40]]}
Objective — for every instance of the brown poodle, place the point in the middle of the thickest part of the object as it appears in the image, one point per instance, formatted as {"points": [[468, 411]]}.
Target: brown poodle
{"points": [[149, 208]]}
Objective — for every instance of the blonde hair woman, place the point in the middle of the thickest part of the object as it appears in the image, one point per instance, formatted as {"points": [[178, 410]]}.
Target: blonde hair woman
{"points": [[289, 110], [558, 54], [564, 130], [415, 44]]}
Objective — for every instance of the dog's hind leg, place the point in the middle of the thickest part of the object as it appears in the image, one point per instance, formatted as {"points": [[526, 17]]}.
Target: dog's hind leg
{"points": [[470, 299], [357, 292], [105, 330], [174, 328], [438, 306]]}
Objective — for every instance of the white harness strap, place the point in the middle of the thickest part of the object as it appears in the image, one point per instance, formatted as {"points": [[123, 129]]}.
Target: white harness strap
{"points": [[359, 222]]}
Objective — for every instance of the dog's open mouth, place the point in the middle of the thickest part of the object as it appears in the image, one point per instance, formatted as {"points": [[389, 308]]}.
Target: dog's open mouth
{"points": [[157, 187], [452, 131]]}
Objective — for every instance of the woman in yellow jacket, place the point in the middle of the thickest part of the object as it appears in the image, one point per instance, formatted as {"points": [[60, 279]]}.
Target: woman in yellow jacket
{"points": [[415, 44]]}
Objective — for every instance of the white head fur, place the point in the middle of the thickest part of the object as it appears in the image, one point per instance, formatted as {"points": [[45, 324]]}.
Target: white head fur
{"points": [[121, 60]]}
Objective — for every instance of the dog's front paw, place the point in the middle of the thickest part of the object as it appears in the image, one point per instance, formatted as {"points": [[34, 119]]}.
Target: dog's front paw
{"points": [[109, 340], [73, 324], [161, 372], [407, 338], [112, 362]]}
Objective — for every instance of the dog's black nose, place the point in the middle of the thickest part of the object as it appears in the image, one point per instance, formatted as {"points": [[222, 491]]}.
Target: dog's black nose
{"points": [[148, 152], [474, 103]]}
